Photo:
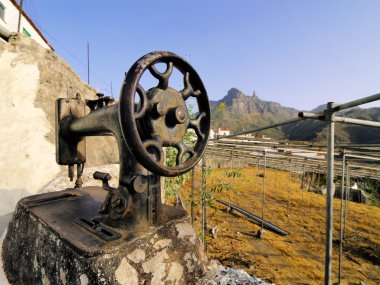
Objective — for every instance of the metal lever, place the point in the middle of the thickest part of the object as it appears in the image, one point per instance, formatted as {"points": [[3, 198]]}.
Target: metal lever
{"points": [[104, 177], [113, 198]]}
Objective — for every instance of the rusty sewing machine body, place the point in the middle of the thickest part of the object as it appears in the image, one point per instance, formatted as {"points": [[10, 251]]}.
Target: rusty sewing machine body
{"points": [[144, 122]]}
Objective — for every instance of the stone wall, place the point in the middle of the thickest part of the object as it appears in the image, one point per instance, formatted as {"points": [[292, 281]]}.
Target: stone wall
{"points": [[31, 79]]}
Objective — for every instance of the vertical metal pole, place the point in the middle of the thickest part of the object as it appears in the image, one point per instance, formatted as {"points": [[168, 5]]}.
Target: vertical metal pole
{"points": [[88, 62], [230, 159], [348, 188], [257, 180], [254, 178], [204, 221], [311, 181], [341, 217], [263, 200], [19, 17], [112, 93], [192, 195], [289, 188], [318, 177], [330, 190], [303, 178], [302, 187]]}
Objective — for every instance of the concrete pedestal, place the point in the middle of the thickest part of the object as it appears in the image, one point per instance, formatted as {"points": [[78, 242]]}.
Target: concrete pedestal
{"points": [[40, 249]]}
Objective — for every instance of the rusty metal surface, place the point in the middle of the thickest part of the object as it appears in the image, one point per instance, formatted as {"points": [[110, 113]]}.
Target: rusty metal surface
{"points": [[142, 129], [73, 215], [70, 149]]}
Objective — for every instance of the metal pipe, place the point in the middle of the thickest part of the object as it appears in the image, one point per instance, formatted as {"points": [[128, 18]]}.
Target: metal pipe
{"points": [[336, 108], [359, 122], [357, 102], [363, 157], [341, 217], [19, 16], [356, 145], [330, 190], [88, 63], [267, 225], [309, 115]]}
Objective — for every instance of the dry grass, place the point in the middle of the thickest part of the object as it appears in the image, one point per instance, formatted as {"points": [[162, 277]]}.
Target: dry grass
{"points": [[299, 257]]}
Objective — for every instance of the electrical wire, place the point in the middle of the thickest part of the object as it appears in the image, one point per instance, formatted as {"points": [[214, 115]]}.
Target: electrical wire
{"points": [[39, 26]]}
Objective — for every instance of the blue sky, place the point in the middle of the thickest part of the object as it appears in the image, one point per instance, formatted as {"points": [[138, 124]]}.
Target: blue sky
{"points": [[298, 53]]}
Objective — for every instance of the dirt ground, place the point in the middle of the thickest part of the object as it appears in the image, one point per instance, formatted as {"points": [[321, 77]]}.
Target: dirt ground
{"points": [[294, 259]]}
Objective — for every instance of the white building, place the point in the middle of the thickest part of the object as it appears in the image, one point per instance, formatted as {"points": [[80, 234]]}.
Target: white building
{"points": [[223, 132], [9, 22]]}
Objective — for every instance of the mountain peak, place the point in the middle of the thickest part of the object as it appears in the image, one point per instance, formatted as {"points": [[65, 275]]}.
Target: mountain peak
{"points": [[234, 93]]}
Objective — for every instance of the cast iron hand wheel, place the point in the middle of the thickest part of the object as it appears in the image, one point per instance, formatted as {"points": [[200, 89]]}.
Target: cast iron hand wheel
{"points": [[156, 118]]}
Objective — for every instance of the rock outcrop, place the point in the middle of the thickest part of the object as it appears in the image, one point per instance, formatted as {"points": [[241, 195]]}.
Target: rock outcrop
{"points": [[244, 112]]}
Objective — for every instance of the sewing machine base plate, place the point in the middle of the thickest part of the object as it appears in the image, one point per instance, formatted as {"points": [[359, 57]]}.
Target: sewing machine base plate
{"points": [[52, 238]]}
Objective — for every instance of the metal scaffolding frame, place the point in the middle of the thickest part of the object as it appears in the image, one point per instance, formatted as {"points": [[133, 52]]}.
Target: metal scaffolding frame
{"points": [[363, 167]]}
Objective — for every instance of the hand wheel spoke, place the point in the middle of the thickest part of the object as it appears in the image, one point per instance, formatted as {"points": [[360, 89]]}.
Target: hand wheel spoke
{"points": [[154, 148], [196, 125], [182, 150], [188, 89], [142, 105], [163, 78]]}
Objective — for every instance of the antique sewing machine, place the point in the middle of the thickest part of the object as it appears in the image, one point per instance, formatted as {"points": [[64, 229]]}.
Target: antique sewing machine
{"points": [[88, 224]]}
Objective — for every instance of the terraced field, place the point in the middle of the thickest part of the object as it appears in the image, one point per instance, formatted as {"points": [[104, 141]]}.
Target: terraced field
{"points": [[294, 259]]}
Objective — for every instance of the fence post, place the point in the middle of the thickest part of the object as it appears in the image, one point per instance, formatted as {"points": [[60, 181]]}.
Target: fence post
{"points": [[289, 176], [192, 195], [342, 192], [348, 189], [330, 114], [204, 218], [263, 198]]}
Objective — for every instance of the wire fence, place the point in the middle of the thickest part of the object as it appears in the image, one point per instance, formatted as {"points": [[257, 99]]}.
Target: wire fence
{"points": [[304, 166]]}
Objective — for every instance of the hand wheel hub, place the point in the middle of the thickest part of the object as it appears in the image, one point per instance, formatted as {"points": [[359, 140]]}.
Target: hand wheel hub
{"points": [[168, 117]]}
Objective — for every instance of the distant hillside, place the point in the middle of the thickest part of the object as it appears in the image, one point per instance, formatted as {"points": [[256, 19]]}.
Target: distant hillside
{"points": [[312, 130], [240, 112]]}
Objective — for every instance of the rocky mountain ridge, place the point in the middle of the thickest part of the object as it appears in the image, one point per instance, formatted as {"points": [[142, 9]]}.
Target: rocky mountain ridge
{"points": [[239, 112]]}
